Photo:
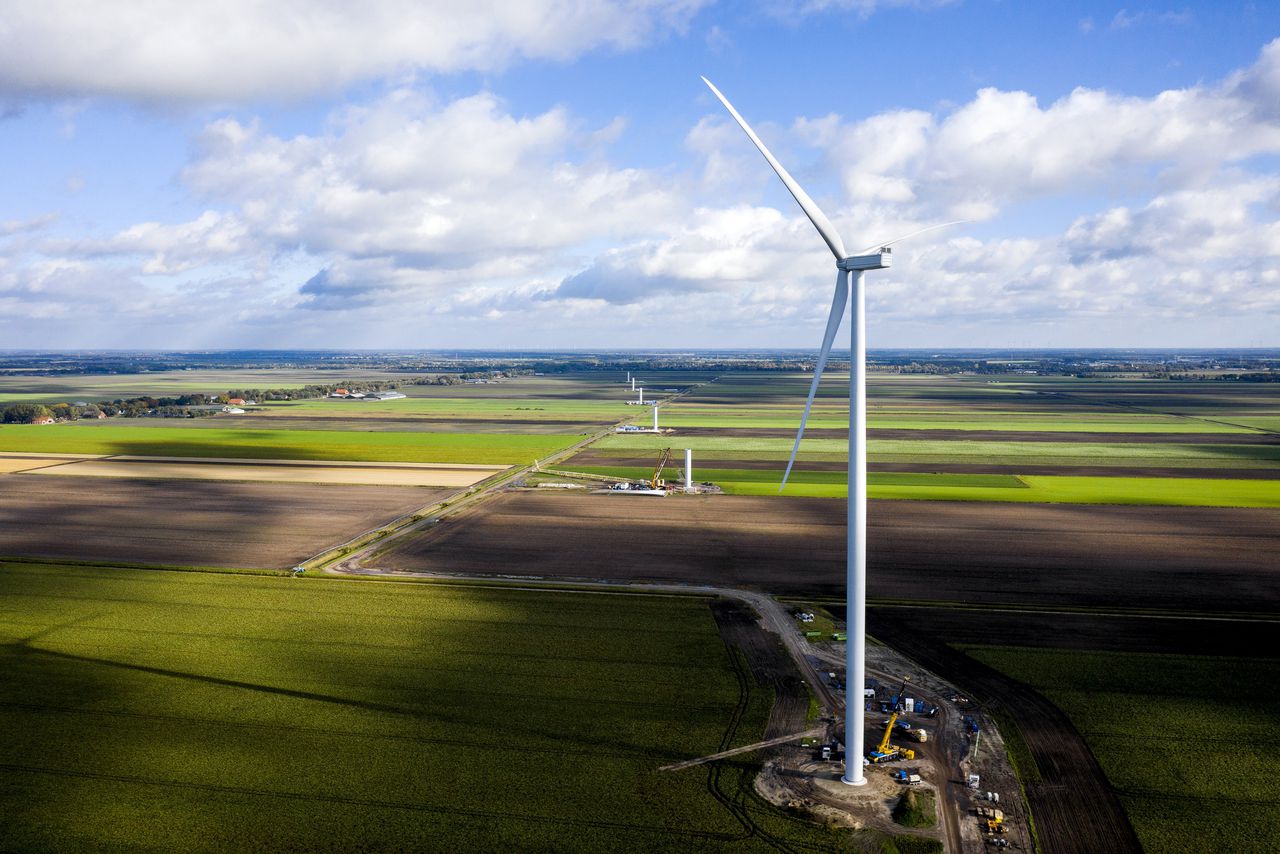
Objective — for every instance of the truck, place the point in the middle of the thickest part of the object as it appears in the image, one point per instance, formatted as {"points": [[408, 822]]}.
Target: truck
{"points": [[973, 781], [921, 735], [906, 778]]}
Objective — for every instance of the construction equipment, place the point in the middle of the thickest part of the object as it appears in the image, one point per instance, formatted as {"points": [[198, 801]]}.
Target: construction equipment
{"points": [[885, 751], [992, 819], [656, 482]]}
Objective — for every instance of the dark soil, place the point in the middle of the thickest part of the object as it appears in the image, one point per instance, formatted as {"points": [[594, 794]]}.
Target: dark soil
{"points": [[1205, 559], [201, 523]]}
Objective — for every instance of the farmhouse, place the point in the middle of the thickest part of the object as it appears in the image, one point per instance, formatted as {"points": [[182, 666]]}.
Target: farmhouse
{"points": [[384, 395]]}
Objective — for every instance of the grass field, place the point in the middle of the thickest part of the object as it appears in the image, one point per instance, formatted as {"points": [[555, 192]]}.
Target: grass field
{"points": [[167, 711], [1052, 489], [1172, 455], [1189, 742], [732, 417], [486, 448], [480, 408]]}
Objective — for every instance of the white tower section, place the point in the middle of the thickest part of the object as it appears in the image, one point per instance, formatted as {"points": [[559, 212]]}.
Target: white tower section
{"points": [[688, 469], [655, 419], [641, 400]]}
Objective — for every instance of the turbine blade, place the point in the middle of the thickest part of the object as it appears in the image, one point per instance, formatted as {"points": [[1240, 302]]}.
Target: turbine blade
{"points": [[838, 303], [874, 246], [810, 208]]}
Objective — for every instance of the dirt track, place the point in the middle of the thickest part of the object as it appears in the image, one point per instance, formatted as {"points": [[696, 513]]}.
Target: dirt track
{"points": [[208, 523], [1206, 559], [1074, 806]]}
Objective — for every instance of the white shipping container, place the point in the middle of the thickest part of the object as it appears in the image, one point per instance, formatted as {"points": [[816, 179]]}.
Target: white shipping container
{"points": [[909, 704]]}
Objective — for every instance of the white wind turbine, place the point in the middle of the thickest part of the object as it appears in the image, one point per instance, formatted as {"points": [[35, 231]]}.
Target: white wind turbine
{"points": [[856, 567]]}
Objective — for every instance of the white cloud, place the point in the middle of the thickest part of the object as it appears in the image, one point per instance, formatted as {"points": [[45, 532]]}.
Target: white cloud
{"points": [[236, 49], [407, 196], [862, 8], [1004, 146], [1125, 19], [172, 248], [21, 226], [413, 217]]}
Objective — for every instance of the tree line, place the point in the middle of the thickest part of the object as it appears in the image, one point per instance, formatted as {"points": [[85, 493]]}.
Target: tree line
{"points": [[194, 405]]}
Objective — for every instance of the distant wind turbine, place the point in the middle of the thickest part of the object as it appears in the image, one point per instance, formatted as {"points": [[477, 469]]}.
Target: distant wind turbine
{"points": [[876, 257]]}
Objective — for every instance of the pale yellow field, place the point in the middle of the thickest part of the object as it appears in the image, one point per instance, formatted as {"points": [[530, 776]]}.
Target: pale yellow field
{"points": [[337, 473], [12, 464]]}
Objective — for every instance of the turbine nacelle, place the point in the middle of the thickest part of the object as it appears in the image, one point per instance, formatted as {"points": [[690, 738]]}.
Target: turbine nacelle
{"points": [[875, 261]]}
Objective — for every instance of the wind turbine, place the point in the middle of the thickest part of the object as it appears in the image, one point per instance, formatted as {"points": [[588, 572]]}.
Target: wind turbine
{"points": [[856, 565]]}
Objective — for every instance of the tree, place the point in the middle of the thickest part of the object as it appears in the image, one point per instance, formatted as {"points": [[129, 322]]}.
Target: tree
{"points": [[25, 413]]}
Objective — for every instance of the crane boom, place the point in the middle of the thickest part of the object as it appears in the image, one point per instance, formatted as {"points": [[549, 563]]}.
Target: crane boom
{"points": [[886, 751], [663, 459]]}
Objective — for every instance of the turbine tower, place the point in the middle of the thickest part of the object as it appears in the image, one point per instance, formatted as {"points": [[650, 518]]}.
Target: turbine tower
{"points": [[856, 598]]}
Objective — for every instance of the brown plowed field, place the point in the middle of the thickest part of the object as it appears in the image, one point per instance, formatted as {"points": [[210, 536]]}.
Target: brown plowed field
{"points": [[1092, 555], [1168, 634], [208, 523], [1074, 806]]}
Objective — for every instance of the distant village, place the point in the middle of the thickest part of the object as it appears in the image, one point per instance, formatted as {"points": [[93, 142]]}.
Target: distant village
{"points": [[194, 405]]}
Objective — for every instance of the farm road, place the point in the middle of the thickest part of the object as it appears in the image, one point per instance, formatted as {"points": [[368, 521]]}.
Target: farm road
{"points": [[1074, 806]]}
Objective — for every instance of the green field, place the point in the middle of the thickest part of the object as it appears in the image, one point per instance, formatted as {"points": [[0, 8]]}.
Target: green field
{"points": [[487, 448], [1049, 489], [169, 711], [746, 417], [1173, 455], [601, 411], [1189, 742]]}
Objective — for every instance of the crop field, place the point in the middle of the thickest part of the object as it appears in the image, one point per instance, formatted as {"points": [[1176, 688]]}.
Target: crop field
{"points": [[1189, 742], [483, 448], [188, 522], [277, 471], [1209, 559], [923, 486], [163, 711], [457, 408], [1166, 454], [1115, 441]]}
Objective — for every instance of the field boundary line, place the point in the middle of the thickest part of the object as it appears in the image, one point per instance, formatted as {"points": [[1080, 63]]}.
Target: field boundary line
{"points": [[375, 541]]}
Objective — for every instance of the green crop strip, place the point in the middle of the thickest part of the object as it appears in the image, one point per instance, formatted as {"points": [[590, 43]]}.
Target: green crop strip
{"points": [[1046, 489], [170, 711], [1188, 741], [491, 448]]}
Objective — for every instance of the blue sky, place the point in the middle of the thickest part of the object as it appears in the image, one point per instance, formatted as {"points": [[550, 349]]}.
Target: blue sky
{"points": [[551, 174]]}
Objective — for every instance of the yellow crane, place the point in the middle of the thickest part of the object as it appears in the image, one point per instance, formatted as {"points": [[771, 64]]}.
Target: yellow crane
{"points": [[657, 482], [885, 751]]}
